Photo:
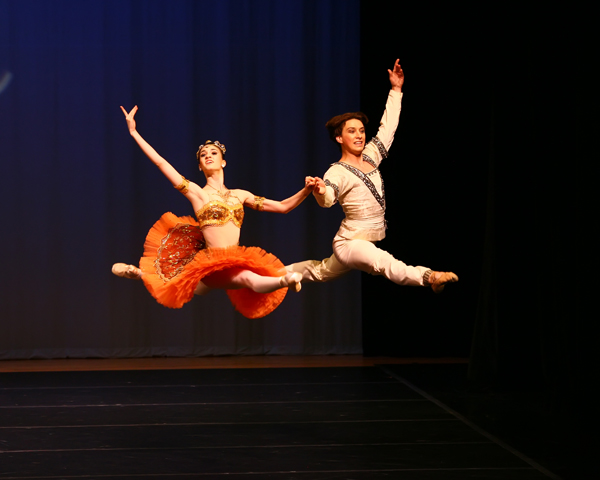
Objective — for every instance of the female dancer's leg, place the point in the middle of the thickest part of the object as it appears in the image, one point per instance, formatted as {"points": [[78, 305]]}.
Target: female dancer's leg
{"points": [[228, 279], [234, 278]]}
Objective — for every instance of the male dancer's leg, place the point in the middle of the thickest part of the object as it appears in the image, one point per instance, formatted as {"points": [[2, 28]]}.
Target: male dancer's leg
{"points": [[365, 256], [319, 271]]}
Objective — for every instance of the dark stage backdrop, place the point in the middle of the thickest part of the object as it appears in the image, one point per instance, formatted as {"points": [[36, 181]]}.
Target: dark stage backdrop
{"points": [[435, 176], [494, 175], [77, 194]]}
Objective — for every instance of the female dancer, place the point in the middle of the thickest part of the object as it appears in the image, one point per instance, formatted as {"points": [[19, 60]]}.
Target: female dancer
{"points": [[355, 182], [183, 257]]}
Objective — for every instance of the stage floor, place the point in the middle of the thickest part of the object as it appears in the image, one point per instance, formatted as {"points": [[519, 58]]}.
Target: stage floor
{"points": [[365, 422]]}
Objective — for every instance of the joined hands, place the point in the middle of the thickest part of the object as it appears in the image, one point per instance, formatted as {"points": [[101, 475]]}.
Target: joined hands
{"points": [[314, 184]]}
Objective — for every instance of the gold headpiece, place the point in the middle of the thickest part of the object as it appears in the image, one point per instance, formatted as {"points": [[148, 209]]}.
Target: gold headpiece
{"points": [[216, 143]]}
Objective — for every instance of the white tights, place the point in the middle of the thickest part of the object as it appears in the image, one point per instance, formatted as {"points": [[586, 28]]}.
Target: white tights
{"points": [[235, 278], [359, 255]]}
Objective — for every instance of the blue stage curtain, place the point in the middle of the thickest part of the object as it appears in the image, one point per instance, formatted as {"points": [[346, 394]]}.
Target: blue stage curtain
{"points": [[77, 194]]}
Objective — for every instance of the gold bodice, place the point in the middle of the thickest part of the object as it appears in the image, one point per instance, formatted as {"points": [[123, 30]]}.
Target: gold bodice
{"points": [[217, 212]]}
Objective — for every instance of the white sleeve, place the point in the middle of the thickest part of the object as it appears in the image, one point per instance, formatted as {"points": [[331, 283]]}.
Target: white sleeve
{"points": [[377, 148], [334, 184]]}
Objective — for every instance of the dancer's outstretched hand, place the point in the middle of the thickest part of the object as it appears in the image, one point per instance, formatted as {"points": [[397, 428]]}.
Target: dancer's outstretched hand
{"points": [[396, 76], [319, 187], [129, 117]]}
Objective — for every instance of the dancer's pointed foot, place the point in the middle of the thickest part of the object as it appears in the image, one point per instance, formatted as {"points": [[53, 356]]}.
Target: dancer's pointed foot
{"points": [[127, 271], [440, 279], [292, 280]]}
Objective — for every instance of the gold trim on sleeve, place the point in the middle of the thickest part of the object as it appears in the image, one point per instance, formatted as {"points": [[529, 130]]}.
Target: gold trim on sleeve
{"points": [[183, 186], [258, 203]]}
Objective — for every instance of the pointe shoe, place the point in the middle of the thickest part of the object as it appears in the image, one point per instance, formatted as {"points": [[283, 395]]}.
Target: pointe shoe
{"points": [[127, 271], [441, 279], [292, 280]]}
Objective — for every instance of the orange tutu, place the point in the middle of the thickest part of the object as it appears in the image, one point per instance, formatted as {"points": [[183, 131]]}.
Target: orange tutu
{"points": [[176, 259]]}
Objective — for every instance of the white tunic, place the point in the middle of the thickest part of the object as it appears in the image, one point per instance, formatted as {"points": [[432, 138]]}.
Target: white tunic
{"points": [[362, 195]]}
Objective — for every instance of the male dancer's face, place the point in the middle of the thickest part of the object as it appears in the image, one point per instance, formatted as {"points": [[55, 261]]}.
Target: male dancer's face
{"points": [[352, 138]]}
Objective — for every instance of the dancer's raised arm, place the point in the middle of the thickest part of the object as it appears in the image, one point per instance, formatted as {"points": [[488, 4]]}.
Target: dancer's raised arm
{"points": [[165, 167], [377, 149]]}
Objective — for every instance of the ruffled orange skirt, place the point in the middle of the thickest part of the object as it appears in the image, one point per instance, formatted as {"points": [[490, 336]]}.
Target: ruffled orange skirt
{"points": [[176, 259]]}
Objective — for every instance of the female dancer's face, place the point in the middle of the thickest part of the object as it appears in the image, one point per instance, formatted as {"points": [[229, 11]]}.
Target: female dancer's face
{"points": [[211, 159], [352, 138]]}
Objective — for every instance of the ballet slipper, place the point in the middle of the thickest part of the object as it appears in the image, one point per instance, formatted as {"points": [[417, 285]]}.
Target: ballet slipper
{"points": [[127, 271], [292, 280], [440, 279]]}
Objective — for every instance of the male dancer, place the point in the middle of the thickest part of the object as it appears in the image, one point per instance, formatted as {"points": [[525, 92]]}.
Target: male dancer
{"points": [[355, 182]]}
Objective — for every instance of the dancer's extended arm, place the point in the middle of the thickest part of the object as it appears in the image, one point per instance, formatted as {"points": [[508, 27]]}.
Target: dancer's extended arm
{"points": [[283, 206], [165, 167]]}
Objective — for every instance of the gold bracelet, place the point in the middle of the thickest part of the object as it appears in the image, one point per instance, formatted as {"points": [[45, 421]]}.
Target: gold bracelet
{"points": [[258, 203], [183, 186]]}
